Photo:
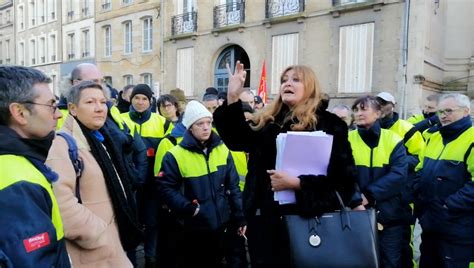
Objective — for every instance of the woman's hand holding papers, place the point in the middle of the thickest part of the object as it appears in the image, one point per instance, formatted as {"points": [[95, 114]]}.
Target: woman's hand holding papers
{"points": [[281, 180]]}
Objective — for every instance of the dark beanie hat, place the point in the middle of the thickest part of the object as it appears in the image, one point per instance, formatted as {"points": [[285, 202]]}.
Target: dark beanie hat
{"points": [[142, 89], [211, 91]]}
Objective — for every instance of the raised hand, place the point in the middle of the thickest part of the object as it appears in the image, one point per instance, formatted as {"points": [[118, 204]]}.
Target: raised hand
{"points": [[236, 82]]}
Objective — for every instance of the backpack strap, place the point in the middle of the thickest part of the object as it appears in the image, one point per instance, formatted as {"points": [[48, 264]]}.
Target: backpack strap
{"points": [[409, 134], [76, 161], [172, 139], [468, 152], [166, 126]]}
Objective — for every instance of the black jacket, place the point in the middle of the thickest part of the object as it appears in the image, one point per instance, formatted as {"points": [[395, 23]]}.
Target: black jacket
{"points": [[189, 175], [317, 194]]}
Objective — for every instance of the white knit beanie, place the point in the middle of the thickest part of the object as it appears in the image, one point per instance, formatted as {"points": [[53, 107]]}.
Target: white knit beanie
{"points": [[194, 111]]}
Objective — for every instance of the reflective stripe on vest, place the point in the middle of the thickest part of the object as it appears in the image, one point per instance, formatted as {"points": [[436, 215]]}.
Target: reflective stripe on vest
{"points": [[240, 162], [153, 127], [454, 150], [64, 113], [414, 144], [115, 113], [164, 146], [416, 118], [380, 155], [193, 165], [16, 169]]}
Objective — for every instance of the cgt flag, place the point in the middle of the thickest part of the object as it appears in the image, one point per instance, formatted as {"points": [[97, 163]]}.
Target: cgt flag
{"points": [[262, 88]]}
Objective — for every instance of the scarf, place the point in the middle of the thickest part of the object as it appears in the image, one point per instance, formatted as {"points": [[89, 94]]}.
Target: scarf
{"points": [[118, 185]]}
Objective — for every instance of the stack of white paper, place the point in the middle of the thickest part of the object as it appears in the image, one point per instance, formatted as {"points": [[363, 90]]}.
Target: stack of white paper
{"points": [[301, 153]]}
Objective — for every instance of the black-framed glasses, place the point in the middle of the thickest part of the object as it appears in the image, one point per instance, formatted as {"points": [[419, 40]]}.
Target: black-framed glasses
{"points": [[446, 111], [54, 107]]}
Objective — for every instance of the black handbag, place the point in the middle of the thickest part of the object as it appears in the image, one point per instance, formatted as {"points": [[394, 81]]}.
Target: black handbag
{"points": [[344, 238]]}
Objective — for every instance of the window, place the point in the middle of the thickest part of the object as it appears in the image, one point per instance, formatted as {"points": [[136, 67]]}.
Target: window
{"points": [[284, 54], [148, 79], [70, 46], [107, 41], [108, 80], [7, 51], [42, 50], [41, 10], [1, 18], [356, 45], [185, 6], [85, 8], [32, 13], [21, 53], [185, 70], [52, 47], [52, 9], [127, 2], [147, 34], [106, 5], [8, 17], [1, 52], [127, 37], [21, 18], [33, 52], [52, 85], [86, 44], [128, 79], [70, 10]]}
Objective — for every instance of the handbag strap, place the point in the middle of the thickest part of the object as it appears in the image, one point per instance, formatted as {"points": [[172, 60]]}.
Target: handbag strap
{"points": [[343, 207]]}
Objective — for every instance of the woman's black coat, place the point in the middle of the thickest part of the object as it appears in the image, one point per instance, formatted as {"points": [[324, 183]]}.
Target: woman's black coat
{"points": [[317, 194]]}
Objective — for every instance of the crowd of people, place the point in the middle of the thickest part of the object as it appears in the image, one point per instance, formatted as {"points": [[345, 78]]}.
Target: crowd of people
{"points": [[88, 177]]}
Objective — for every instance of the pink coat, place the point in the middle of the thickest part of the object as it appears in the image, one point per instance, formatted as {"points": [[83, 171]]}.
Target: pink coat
{"points": [[91, 233]]}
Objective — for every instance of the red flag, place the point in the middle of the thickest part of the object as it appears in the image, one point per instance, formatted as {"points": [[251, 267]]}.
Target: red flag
{"points": [[262, 88]]}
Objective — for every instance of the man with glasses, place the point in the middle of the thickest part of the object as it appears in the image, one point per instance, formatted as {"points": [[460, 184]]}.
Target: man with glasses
{"points": [[445, 188], [32, 231]]}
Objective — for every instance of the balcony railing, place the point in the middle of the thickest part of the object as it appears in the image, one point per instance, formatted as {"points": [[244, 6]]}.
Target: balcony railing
{"points": [[348, 2], [229, 14], [279, 8], [184, 23]]}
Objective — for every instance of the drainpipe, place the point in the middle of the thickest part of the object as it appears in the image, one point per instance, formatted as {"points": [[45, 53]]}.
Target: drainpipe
{"points": [[406, 26], [162, 36]]}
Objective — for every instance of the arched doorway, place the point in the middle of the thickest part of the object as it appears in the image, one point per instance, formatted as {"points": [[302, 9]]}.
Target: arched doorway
{"points": [[230, 55]]}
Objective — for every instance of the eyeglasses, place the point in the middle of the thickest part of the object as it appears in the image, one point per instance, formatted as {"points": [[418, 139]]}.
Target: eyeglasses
{"points": [[446, 111], [54, 107], [97, 81]]}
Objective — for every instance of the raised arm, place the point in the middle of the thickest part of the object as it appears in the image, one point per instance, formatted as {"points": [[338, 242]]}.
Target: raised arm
{"points": [[236, 82]]}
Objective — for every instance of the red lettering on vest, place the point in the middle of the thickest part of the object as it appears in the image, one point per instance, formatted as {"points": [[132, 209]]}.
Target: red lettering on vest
{"points": [[36, 242]]}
